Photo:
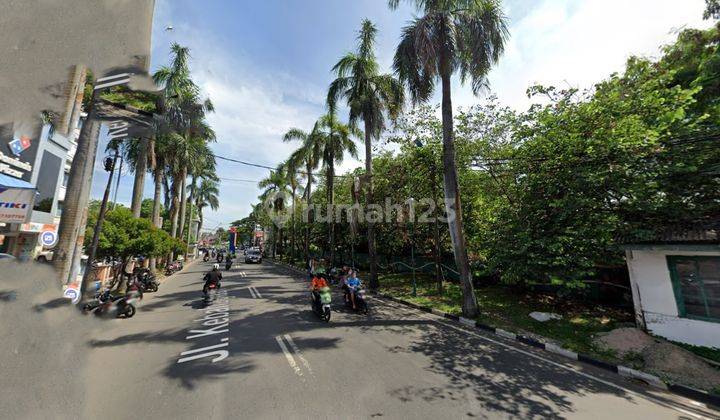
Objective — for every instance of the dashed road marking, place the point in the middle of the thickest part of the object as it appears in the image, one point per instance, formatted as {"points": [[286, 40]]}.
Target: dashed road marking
{"points": [[254, 292], [298, 353], [288, 356]]}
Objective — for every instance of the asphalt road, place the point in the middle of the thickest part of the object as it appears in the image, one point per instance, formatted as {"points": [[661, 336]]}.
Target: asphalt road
{"points": [[263, 354]]}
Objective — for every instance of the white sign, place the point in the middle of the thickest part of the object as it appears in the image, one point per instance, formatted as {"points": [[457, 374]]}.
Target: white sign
{"points": [[7, 162], [48, 238], [16, 204], [73, 293]]}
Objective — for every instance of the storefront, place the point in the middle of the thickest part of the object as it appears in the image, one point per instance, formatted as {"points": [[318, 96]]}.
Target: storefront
{"points": [[17, 198]]}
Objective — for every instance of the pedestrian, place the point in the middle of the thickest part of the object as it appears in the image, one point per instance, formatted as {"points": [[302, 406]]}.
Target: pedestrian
{"points": [[311, 268]]}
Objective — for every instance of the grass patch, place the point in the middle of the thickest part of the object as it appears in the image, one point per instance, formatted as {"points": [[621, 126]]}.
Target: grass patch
{"points": [[705, 352], [508, 309]]}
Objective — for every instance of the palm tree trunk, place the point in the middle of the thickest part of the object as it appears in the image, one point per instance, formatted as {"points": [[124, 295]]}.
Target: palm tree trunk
{"points": [[183, 202], [308, 191], [156, 205], [372, 250], [452, 201], [70, 231], [168, 192], [331, 207], [139, 184], [292, 225], [200, 223]]}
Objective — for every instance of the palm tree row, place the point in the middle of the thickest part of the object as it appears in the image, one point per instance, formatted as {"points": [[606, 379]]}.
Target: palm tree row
{"points": [[177, 151], [453, 36]]}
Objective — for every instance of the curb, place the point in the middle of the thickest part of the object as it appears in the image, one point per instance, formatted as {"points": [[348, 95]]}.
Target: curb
{"points": [[624, 371]]}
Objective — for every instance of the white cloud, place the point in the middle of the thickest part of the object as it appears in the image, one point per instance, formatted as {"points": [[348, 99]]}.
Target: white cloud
{"points": [[578, 43]]}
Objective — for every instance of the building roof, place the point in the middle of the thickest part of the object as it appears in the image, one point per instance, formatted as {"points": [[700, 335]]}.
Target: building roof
{"points": [[705, 235]]}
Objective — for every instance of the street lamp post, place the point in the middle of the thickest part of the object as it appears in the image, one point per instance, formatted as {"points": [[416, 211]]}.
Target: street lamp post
{"points": [[110, 164]]}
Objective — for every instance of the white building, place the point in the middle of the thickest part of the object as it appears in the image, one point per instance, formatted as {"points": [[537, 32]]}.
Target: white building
{"points": [[676, 286]]}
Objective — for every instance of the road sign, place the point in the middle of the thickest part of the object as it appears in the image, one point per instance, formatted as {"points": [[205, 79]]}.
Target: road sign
{"points": [[73, 293], [48, 238]]}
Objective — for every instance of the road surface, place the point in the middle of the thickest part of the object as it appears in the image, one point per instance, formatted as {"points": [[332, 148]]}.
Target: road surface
{"points": [[261, 353]]}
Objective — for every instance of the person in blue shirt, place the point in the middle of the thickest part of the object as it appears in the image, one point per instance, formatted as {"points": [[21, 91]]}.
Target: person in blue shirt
{"points": [[353, 284]]}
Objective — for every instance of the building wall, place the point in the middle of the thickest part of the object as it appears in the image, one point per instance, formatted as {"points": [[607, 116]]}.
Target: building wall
{"points": [[655, 303]]}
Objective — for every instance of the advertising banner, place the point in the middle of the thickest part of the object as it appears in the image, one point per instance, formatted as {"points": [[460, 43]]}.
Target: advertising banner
{"points": [[16, 204]]}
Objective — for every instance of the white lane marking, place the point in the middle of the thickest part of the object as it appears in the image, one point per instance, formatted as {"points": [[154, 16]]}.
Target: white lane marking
{"points": [[561, 366], [288, 356], [257, 292], [298, 353], [250, 288]]}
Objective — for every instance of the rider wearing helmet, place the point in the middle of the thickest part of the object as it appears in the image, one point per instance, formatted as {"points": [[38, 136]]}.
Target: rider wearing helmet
{"points": [[212, 277]]}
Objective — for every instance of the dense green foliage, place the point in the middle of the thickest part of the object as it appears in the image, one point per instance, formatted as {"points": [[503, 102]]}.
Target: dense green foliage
{"points": [[125, 236], [553, 193]]}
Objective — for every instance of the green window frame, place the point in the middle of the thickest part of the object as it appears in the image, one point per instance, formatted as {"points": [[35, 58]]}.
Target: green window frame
{"points": [[697, 291]]}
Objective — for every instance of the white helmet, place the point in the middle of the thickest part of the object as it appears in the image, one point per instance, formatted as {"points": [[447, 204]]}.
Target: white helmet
{"points": [[216, 266]]}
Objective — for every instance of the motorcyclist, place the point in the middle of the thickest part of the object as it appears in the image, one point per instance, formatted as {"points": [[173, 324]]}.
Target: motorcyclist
{"points": [[214, 276], [317, 283], [228, 261], [219, 257], [353, 284]]}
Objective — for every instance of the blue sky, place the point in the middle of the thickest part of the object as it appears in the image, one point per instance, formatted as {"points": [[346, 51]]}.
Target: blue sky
{"points": [[266, 64]]}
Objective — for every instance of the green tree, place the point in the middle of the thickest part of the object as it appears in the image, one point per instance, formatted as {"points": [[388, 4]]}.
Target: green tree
{"points": [[369, 95], [309, 156], [466, 36], [336, 139]]}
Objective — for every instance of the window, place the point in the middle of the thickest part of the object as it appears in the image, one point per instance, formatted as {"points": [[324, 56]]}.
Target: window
{"points": [[696, 283]]}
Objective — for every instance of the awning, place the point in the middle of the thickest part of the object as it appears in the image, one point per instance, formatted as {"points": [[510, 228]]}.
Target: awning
{"points": [[17, 198], [6, 181]]}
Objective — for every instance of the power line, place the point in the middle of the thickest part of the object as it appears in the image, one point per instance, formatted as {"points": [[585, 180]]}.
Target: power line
{"points": [[240, 180], [270, 168]]}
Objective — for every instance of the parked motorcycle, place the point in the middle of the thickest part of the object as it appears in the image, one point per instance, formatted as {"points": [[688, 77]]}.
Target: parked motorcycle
{"points": [[148, 281], [321, 306], [105, 303], [173, 267]]}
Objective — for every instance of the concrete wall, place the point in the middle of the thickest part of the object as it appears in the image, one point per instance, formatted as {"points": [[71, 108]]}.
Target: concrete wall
{"points": [[655, 302]]}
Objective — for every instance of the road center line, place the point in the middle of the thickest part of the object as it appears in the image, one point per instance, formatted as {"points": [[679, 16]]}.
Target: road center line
{"points": [[288, 356], [298, 353]]}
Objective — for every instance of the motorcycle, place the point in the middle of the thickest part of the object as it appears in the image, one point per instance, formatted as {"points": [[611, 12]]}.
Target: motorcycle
{"points": [[211, 293], [228, 264], [173, 267], [321, 306], [148, 281], [105, 303], [206, 258], [360, 301]]}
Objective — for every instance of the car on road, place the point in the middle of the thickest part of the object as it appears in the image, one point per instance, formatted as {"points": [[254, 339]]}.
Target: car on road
{"points": [[45, 255], [253, 256]]}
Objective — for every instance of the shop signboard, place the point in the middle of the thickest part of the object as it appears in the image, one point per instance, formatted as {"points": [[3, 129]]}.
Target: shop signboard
{"points": [[16, 204]]}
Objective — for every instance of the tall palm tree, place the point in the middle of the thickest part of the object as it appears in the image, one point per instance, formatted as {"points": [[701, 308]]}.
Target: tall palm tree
{"points": [[206, 196], [451, 35], [274, 188], [309, 155], [335, 139], [370, 95], [291, 171]]}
